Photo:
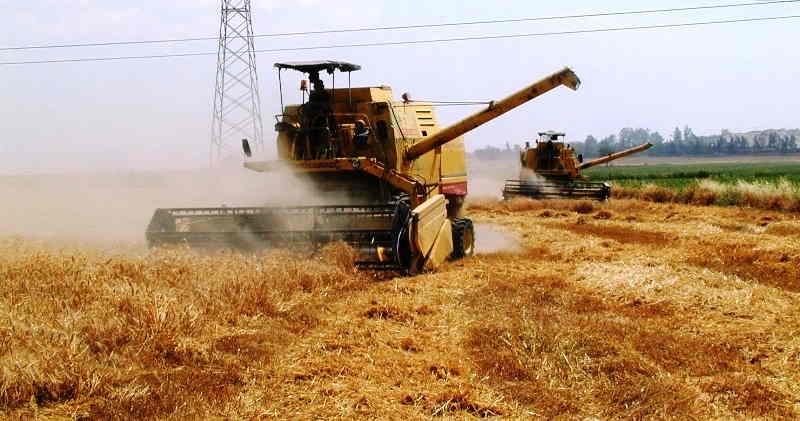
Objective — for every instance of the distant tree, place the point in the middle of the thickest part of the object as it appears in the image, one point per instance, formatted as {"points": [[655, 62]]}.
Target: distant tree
{"points": [[590, 146], [758, 144], [658, 144], [677, 136], [677, 142], [719, 144], [772, 141], [685, 142], [696, 147], [604, 150], [688, 134], [607, 145], [629, 137], [742, 145], [655, 138], [731, 145]]}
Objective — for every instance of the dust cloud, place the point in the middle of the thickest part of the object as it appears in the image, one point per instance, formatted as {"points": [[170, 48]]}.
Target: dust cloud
{"points": [[489, 239], [487, 177], [115, 207], [108, 207], [486, 180], [484, 187]]}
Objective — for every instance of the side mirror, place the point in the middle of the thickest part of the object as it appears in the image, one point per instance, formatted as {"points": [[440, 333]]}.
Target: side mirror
{"points": [[246, 148]]}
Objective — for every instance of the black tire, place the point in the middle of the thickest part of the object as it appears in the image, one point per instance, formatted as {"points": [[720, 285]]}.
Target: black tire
{"points": [[455, 206], [463, 238], [606, 193]]}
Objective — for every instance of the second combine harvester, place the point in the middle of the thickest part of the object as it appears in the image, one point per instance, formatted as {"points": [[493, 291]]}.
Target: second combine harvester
{"points": [[552, 170], [400, 176]]}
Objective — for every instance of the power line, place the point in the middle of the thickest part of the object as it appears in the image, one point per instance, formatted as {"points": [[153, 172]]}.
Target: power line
{"points": [[529, 35], [391, 28], [533, 19], [428, 41]]}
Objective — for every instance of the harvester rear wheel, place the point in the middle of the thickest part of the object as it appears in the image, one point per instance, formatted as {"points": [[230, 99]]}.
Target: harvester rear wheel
{"points": [[455, 206], [463, 238]]}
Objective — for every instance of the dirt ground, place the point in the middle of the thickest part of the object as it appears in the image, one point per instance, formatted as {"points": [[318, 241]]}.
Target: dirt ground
{"points": [[626, 310]]}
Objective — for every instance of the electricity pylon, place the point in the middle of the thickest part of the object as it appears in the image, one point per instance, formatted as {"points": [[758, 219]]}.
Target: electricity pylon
{"points": [[237, 103]]}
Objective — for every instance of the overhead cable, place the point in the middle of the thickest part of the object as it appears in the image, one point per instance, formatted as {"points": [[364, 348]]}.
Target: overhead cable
{"points": [[415, 42], [402, 27]]}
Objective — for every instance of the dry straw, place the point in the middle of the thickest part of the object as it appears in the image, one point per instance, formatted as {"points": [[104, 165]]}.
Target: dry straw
{"points": [[622, 310], [782, 195]]}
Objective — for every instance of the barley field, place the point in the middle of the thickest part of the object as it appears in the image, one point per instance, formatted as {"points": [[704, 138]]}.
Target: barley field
{"points": [[681, 175], [570, 310]]}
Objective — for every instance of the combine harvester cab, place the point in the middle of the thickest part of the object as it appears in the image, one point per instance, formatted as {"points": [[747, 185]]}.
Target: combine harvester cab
{"points": [[552, 170], [402, 177]]}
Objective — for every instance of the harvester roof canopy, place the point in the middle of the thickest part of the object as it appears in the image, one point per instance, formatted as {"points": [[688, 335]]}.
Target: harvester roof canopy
{"points": [[316, 66]]}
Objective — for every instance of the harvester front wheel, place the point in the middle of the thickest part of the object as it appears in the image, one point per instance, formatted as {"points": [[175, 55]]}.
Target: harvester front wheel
{"points": [[463, 238]]}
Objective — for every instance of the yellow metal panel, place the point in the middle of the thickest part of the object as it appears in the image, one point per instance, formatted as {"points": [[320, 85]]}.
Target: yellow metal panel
{"points": [[442, 247], [359, 95], [406, 118], [454, 165], [427, 227]]}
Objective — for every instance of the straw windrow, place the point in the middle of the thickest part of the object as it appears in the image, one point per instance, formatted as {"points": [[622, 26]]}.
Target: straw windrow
{"points": [[623, 310]]}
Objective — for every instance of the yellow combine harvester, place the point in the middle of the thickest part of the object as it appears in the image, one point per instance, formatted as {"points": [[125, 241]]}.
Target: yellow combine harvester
{"points": [[552, 170], [402, 177]]}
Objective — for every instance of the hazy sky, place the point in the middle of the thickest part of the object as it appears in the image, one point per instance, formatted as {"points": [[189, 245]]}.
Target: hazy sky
{"points": [[156, 113]]}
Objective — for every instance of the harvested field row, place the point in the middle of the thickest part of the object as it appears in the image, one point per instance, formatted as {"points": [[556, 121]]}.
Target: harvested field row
{"points": [[622, 310]]}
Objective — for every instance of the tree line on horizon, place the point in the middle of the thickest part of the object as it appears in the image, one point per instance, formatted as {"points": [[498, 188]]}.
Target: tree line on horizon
{"points": [[682, 142]]}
